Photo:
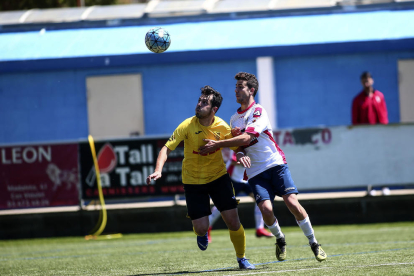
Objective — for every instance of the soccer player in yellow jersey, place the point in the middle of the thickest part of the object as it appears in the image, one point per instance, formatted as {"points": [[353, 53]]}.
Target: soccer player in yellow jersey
{"points": [[205, 176]]}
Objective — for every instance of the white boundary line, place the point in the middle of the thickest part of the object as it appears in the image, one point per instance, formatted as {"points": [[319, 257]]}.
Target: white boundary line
{"points": [[317, 268]]}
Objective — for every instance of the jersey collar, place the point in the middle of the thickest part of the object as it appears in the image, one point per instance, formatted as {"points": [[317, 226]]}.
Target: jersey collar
{"points": [[242, 111]]}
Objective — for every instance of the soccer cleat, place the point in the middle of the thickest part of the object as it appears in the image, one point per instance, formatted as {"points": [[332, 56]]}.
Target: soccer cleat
{"points": [[281, 249], [202, 242], [244, 264], [261, 232], [320, 255], [209, 234]]}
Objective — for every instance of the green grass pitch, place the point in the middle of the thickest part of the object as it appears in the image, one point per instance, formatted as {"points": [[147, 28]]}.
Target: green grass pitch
{"points": [[373, 249]]}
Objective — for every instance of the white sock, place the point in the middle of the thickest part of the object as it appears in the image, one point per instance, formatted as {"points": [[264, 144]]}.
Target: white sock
{"points": [[215, 214], [275, 229], [307, 229], [258, 217]]}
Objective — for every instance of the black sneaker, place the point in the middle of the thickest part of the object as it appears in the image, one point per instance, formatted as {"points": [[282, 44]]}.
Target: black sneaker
{"points": [[320, 255], [202, 242], [244, 264], [281, 249]]}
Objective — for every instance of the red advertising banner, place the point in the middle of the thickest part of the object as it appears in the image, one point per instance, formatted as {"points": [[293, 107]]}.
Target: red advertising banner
{"points": [[38, 176]]}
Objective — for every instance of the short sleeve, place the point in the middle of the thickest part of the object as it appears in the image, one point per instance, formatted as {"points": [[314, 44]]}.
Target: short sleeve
{"points": [[258, 122], [178, 135]]}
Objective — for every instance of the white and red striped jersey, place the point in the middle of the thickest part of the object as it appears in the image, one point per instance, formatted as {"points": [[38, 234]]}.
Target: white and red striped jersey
{"points": [[263, 151]]}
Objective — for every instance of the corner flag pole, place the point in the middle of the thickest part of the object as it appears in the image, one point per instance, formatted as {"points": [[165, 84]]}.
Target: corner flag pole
{"points": [[102, 215]]}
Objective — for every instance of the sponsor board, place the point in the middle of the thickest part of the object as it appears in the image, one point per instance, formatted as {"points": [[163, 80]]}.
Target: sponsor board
{"points": [[124, 166], [38, 176]]}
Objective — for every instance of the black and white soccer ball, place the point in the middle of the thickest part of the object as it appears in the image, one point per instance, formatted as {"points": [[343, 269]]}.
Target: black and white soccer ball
{"points": [[157, 40]]}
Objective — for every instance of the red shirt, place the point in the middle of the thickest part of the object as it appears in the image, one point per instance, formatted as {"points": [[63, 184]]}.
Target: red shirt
{"points": [[369, 110]]}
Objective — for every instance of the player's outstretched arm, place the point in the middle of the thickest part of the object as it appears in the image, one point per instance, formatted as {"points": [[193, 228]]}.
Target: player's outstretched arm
{"points": [[241, 140], [162, 157]]}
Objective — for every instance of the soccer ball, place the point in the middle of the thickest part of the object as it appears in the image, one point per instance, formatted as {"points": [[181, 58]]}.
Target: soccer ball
{"points": [[157, 40]]}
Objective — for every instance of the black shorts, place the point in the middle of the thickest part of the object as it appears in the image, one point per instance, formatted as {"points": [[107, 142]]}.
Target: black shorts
{"points": [[197, 197]]}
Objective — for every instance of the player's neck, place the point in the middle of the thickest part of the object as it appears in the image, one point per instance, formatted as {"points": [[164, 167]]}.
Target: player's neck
{"points": [[245, 105], [208, 121], [369, 91]]}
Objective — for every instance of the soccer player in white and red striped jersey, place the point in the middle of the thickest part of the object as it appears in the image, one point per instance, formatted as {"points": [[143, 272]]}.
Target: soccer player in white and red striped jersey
{"points": [[266, 166]]}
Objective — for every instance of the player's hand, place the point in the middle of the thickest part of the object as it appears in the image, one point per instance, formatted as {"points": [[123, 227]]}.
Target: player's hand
{"points": [[211, 146], [235, 131], [244, 160], [154, 176]]}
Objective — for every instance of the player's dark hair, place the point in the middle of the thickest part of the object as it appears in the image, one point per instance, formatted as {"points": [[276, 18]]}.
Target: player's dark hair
{"points": [[251, 81], [366, 75], [216, 99]]}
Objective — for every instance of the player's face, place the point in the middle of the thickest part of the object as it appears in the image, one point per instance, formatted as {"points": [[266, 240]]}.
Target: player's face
{"points": [[367, 82], [242, 92], [203, 108]]}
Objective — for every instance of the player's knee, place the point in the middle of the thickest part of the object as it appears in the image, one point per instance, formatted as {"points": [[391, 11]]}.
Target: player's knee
{"points": [[233, 225], [200, 230]]}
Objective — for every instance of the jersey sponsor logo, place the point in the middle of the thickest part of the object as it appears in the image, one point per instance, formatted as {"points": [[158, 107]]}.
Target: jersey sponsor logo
{"points": [[172, 138], [198, 132], [257, 112]]}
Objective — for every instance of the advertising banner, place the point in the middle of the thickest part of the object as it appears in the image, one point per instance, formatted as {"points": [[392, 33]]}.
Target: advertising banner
{"points": [[38, 176], [124, 166], [349, 156]]}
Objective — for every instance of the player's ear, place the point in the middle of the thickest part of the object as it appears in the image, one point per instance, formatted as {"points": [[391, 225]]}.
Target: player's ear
{"points": [[215, 109], [252, 91]]}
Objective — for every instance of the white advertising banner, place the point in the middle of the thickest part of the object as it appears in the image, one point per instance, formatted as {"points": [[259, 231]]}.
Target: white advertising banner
{"points": [[349, 156]]}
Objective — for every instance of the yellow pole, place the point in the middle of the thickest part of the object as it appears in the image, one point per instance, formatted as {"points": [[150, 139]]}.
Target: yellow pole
{"points": [[102, 216]]}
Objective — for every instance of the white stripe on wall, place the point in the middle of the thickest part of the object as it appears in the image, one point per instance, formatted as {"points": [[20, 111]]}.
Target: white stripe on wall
{"points": [[267, 88]]}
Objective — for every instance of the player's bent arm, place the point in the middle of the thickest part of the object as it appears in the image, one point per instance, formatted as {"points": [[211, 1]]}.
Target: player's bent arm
{"points": [[238, 141], [212, 145], [162, 157]]}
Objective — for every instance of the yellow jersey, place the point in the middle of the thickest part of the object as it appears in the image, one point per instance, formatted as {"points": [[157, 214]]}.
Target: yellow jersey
{"points": [[196, 168]]}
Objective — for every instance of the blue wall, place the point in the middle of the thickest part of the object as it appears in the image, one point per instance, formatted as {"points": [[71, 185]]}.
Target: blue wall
{"points": [[41, 106], [318, 90], [49, 106], [311, 90]]}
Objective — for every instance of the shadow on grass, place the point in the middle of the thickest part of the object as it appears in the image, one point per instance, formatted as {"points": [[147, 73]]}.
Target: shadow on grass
{"points": [[200, 271]]}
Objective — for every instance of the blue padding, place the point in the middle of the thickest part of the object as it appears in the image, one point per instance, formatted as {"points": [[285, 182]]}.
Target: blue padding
{"points": [[204, 56], [216, 35]]}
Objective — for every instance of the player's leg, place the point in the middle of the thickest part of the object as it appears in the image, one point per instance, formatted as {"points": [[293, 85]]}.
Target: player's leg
{"points": [[222, 193], [264, 196], [198, 210], [285, 187], [258, 218], [304, 223]]}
